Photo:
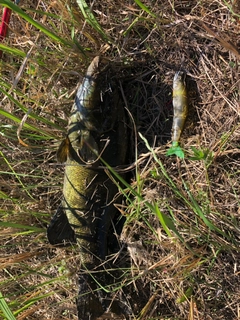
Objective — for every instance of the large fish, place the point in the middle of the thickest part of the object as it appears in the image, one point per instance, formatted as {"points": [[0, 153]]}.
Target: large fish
{"points": [[96, 130], [180, 106]]}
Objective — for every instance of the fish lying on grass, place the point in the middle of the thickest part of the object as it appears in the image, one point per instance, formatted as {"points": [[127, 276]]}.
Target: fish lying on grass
{"points": [[96, 130], [180, 110]]}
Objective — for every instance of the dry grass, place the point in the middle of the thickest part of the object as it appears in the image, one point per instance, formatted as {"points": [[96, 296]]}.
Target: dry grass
{"points": [[163, 277]]}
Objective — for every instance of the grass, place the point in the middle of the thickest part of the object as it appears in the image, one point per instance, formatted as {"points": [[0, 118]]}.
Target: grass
{"points": [[180, 241]]}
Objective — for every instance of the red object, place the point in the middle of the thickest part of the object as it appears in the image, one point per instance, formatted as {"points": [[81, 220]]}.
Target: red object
{"points": [[4, 25], [5, 22]]}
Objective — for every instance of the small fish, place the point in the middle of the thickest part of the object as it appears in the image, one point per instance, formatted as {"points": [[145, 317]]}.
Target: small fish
{"points": [[180, 106], [96, 130]]}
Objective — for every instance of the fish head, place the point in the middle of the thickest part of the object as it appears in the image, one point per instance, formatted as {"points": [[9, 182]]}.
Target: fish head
{"points": [[87, 100], [179, 79]]}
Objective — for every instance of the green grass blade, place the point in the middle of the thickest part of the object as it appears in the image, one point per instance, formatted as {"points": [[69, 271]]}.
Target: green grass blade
{"points": [[31, 115], [14, 51], [200, 213], [39, 26], [5, 309], [10, 116], [131, 26], [33, 301], [19, 174], [90, 19], [144, 8], [18, 178], [20, 226], [167, 223], [164, 220]]}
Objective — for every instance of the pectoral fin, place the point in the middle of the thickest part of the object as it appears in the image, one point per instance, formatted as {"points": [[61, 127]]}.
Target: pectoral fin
{"points": [[59, 231]]}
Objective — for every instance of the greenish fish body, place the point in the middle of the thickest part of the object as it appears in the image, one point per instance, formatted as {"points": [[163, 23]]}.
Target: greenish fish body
{"points": [[180, 106], [96, 130]]}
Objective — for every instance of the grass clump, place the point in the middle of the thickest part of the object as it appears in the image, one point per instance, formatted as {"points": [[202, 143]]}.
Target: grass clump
{"points": [[180, 243]]}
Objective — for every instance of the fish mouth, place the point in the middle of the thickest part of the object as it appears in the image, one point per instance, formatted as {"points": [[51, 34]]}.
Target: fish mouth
{"points": [[85, 96], [179, 76]]}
